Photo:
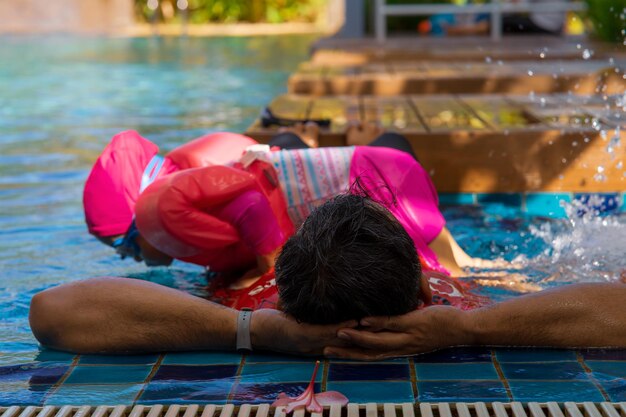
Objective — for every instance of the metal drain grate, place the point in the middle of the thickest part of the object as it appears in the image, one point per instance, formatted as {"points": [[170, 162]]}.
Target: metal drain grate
{"points": [[479, 409]]}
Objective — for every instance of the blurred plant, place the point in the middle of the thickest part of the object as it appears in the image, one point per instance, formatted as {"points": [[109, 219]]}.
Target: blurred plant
{"points": [[608, 18], [231, 11]]}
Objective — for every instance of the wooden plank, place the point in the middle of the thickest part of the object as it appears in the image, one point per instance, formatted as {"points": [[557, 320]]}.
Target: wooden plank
{"points": [[446, 114], [393, 113], [588, 77]]}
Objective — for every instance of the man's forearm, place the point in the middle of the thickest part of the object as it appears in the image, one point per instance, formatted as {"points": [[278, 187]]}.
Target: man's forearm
{"points": [[116, 315], [579, 315]]}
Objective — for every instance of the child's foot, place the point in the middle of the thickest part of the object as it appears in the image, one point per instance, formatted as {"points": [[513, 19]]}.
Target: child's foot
{"points": [[363, 133], [309, 132]]}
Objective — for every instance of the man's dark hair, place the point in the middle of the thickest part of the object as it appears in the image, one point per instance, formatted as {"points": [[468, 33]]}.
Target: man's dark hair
{"points": [[350, 259]]}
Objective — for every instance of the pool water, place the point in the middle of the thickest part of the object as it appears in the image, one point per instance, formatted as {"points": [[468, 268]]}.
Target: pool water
{"points": [[61, 100]]}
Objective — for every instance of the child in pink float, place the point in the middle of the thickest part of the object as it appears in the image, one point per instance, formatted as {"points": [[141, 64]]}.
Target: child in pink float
{"points": [[234, 217]]}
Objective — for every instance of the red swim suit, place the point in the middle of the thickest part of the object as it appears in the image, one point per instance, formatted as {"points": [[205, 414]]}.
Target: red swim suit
{"points": [[263, 293]]}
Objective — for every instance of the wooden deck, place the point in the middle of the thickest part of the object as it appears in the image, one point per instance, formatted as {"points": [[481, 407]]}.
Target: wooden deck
{"points": [[487, 143], [331, 51], [390, 78]]}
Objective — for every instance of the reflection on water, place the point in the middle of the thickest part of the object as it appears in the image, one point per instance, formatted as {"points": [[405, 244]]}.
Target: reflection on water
{"points": [[61, 100]]}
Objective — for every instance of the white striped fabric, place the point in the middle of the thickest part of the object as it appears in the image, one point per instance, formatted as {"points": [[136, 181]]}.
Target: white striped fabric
{"points": [[309, 177]]}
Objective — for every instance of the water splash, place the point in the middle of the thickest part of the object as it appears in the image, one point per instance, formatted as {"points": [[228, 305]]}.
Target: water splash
{"points": [[587, 247]]}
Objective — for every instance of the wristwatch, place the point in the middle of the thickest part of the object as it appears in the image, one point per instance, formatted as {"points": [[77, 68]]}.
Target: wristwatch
{"points": [[243, 331]]}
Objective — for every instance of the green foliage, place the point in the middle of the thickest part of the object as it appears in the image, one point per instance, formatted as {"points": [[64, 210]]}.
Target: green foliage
{"points": [[608, 18], [231, 11]]}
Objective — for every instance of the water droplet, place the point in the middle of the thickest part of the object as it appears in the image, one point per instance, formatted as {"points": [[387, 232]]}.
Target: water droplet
{"points": [[578, 46], [587, 54], [542, 55], [619, 165], [564, 160], [488, 60], [530, 73], [600, 169], [574, 144]]}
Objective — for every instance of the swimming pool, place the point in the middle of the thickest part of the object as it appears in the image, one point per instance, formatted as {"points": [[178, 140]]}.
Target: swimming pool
{"points": [[61, 99]]}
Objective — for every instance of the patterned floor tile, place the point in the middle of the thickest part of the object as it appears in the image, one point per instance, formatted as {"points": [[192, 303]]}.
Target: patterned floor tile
{"points": [[362, 392], [461, 391], [214, 392], [194, 373], [543, 371], [202, 358], [456, 371], [270, 373], [555, 391], [266, 393], [535, 355], [118, 360], [368, 372], [33, 373], [131, 374], [79, 394]]}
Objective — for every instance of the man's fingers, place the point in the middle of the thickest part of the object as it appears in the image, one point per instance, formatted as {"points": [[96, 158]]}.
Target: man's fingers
{"points": [[376, 324], [372, 340]]}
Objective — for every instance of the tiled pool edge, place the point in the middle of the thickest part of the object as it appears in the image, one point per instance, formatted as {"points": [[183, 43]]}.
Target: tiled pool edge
{"points": [[425, 409]]}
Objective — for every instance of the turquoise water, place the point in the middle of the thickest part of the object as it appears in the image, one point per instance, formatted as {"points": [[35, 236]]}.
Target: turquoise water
{"points": [[62, 98]]}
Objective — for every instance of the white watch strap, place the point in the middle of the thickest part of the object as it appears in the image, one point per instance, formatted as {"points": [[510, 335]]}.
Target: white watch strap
{"points": [[243, 331]]}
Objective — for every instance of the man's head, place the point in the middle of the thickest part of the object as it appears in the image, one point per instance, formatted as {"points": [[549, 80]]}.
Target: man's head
{"points": [[350, 259]]}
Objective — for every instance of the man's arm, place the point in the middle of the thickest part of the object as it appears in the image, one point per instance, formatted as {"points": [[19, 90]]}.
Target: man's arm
{"points": [[122, 315], [578, 315]]}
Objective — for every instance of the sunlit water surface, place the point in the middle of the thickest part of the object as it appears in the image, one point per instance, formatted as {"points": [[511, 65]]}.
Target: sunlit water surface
{"points": [[62, 98]]}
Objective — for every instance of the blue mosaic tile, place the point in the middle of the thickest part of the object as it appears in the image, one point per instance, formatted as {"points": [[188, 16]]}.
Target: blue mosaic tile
{"points": [[130, 374], [547, 370], [607, 370], [507, 199], [263, 357], [363, 392], [604, 354], [554, 391], [456, 199], [214, 392], [461, 391], [33, 373], [202, 358], [368, 372], [615, 389], [457, 371], [623, 207], [49, 355], [403, 360], [80, 394], [455, 355], [270, 373], [118, 359], [194, 373], [546, 204], [22, 394], [535, 355], [266, 393], [607, 203]]}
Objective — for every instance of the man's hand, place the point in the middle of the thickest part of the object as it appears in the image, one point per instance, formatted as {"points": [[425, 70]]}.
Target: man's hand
{"points": [[416, 332], [274, 330]]}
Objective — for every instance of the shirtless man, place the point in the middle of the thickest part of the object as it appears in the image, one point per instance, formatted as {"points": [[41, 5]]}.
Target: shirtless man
{"points": [[121, 315]]}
